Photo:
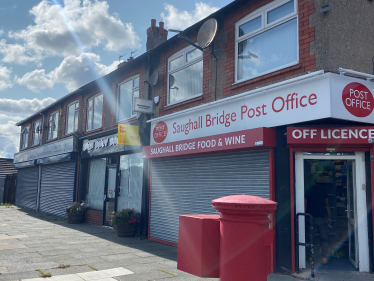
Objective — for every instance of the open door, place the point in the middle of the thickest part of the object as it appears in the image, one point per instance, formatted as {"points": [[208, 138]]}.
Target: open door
{"points": [[352, 214], [110, 193]]}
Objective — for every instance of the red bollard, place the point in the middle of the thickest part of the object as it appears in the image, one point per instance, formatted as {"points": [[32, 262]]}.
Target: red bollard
{"points": [[245, 252]]}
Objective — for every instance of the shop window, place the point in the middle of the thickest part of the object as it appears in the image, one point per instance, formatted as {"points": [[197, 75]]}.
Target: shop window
{"points": [[95, 112], [53, 125], [127, 92], [96, 184], [25, 137], [72, 118], [267, 40], [131, 182], [36, 133], [185, 75]]}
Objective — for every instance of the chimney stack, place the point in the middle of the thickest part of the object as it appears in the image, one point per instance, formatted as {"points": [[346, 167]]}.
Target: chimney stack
{"points": [[156, 35]]}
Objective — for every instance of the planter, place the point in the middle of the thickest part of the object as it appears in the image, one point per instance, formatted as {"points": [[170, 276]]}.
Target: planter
{"points": [[126, 229], [75, 218]]}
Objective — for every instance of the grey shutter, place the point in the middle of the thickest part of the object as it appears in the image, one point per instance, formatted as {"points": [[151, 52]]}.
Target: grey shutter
{"points": [[57, 188], [188, 185], [27, 187]]}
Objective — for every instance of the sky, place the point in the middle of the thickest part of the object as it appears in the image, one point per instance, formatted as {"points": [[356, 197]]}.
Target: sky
{"points": [[49, 48]]}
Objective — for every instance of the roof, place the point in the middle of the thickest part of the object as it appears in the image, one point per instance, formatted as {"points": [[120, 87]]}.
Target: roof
{"points": [[7, 167], [219, 13]]}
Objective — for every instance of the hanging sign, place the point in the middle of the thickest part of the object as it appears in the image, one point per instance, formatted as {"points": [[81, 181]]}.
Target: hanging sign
{"points": [[128, 135]]}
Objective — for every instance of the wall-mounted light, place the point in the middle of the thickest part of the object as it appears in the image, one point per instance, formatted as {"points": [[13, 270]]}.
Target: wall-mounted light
{"points": [[157, 100], [325, 8]]}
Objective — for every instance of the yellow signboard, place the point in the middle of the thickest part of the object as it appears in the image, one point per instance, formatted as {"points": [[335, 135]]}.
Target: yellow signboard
{"points": [[128, 134]]}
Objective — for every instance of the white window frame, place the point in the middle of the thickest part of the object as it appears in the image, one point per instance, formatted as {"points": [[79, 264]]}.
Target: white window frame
{"points": [[133, 100], [67, 118], [186, 64], [25, 142], [34, 132], [49, 124], [263, 12], [93, 111]]}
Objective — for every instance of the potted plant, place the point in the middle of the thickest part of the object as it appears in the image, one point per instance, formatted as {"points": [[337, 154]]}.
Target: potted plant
{"points": [[126, 222], [76, 212]]}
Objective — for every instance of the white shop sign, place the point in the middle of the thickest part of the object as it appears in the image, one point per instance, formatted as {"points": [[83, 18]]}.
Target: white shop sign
{"points": [[47, 150], [317, 97]]}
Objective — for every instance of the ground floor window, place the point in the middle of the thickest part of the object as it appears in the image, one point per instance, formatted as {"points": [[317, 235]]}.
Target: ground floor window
{"points": [[96, 183]]}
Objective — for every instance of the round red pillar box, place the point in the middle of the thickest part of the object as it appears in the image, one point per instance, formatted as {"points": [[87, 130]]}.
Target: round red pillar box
{"points": [[245, 252]]}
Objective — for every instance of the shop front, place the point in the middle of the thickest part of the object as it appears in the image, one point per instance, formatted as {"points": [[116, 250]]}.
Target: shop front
{"points": [[47, 177], [240, 145], [114, 178]]}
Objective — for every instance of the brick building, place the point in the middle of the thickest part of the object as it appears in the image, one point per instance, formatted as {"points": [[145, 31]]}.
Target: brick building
{"points": [[276, 113]]}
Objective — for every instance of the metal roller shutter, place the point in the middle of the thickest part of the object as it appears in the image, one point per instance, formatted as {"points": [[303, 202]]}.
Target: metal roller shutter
{"points": [[188, 185], [57, 188], [27, 187]]}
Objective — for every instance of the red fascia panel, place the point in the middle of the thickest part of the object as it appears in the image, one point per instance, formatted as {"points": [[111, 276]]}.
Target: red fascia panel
{"points": [[163, 242], [253, 138]]}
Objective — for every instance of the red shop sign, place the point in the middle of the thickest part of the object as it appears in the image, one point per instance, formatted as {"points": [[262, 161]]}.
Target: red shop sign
{"points": [[343, 136], [259, 137]]}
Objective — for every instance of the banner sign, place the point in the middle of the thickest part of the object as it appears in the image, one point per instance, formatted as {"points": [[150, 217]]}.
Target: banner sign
{"points": [[128, 135], [47, 150], [330, 136], [322, 96], [260, 137], [144, 106]]}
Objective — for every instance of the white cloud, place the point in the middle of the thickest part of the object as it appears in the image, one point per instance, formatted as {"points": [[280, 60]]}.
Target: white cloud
{"points": [[35, 80], [73, 72], [173, 18], [1, 32], [23, 107], [5, 81], [9, 138], [69, 30], [16, 53]]}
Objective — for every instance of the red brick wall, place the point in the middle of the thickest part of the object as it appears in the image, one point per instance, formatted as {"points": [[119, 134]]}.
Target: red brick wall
{"points": [[306, 35], [94, 217]]}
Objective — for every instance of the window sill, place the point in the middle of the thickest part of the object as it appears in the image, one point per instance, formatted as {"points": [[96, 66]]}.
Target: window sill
{"points": [[175, 105], [69, 135], [90, 132], [51, 140], [35, 145], [127, 121], [266, 76]]}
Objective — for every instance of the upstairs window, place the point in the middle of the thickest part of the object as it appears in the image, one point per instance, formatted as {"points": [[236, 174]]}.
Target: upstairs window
{"points": [[185, 75], [25, 137], [94, 112], [72, 118], [267, 40], [53, 125], [36, 133], [127, 92]]}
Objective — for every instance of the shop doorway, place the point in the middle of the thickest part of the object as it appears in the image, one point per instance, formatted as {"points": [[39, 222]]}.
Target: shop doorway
{"points": [[110, 191], [332, 188]]}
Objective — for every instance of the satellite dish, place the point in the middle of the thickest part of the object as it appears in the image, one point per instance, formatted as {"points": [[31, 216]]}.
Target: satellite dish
{"points": [[207, 32], [153, 79], [171, 80]]}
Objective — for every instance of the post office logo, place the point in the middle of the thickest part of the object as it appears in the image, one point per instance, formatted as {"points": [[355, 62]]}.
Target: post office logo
{"points": [[358, 99], [160, 132]]}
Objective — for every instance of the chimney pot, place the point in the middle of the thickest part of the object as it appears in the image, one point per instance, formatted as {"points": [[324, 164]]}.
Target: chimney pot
{"points": [[161, 25], [130, 59], [153, 22]]}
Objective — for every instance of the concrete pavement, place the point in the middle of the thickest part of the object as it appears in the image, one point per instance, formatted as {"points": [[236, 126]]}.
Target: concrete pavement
{"points": [[33, 243]]}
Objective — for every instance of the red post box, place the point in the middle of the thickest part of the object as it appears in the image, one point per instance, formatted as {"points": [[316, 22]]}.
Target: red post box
{"points": [[198, 245], [245, 252]]}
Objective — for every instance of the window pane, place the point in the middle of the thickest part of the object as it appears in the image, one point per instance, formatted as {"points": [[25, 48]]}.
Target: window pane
{"points": [[135, 95], [175, 63], [89, 119], [56, 125], [135, 82], [36, 133], [194, 55], [76, 120], [96, 184], [90, 103], [186, 83], [268, 50], [125, 100], [281, 11], [98, 112], [70, 125], [250, 26]]}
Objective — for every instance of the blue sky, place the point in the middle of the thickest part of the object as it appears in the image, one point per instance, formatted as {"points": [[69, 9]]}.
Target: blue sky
{"points": [[49, 48]]}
